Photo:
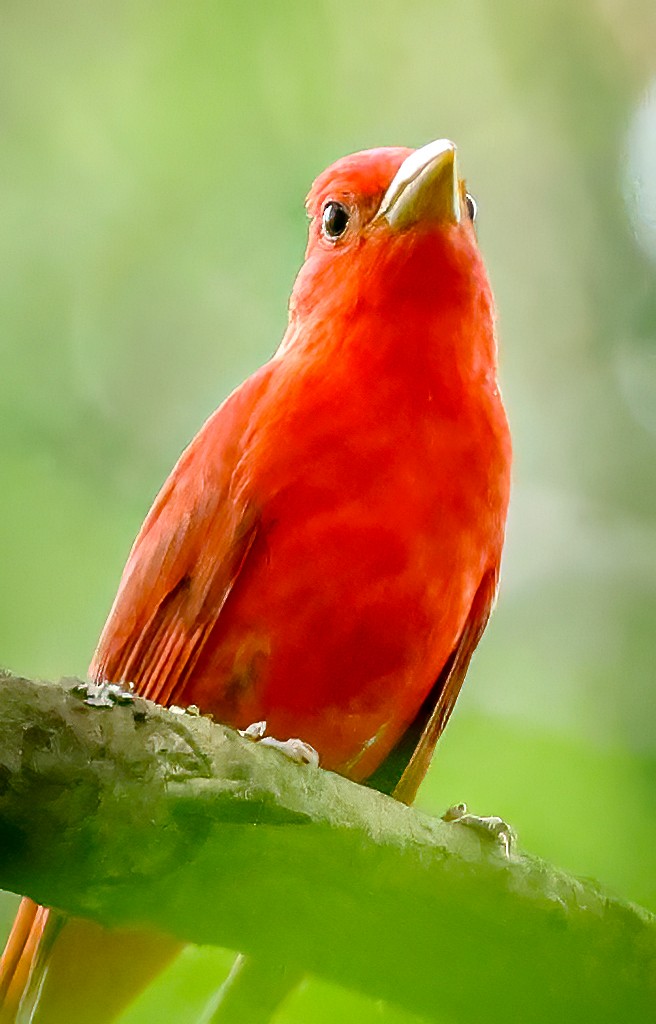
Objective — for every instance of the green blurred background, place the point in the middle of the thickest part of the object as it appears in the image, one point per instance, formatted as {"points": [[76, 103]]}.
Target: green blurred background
{"points": [[153, 166]]}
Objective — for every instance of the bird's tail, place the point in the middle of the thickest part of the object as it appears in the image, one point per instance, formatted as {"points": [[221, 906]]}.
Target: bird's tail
{"points": [[59, 970], [19, 957]]}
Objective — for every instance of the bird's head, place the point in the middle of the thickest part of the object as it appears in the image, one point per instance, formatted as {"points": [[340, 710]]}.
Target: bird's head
{"points": [[391, 223]]}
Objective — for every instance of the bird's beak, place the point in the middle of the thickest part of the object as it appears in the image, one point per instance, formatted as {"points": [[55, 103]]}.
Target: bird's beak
{"points": [[425, 188]]}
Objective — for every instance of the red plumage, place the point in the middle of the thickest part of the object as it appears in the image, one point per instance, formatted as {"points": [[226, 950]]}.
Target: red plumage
{"points": [[313, 558], [325, 553]]}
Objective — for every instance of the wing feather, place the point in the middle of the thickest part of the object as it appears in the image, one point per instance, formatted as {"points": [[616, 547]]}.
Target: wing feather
{"points": [[405, 767], [186, 559]]}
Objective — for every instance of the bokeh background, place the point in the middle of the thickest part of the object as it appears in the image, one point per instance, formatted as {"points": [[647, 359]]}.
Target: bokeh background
{"points": [[153, 165]]}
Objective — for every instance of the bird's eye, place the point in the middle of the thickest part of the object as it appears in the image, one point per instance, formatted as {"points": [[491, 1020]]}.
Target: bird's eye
{"points": [[334, 220], [472, 208]]}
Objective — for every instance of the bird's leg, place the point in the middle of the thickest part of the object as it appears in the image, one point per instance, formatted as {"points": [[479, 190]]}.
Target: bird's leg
{"points": [[295, 749], [492, 828]]}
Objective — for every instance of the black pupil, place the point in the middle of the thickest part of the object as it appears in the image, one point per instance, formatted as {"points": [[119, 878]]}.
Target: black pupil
{"points": [[335, 219], [471, 206]]}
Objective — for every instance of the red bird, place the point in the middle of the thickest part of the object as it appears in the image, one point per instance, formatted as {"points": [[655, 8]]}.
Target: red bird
{"points": [[325, 554]]}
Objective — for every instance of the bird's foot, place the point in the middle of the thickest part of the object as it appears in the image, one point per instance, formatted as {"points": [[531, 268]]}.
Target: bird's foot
{"points": [[493, 827], [104, 694], [295, 749]]}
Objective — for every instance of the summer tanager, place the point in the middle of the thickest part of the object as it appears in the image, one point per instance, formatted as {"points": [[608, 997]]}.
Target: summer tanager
{"points": [[325, 554]]}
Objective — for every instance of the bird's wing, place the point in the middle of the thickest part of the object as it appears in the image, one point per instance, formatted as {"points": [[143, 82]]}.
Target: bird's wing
{"points": [[182, 567], [405, 767], [186, 559]]}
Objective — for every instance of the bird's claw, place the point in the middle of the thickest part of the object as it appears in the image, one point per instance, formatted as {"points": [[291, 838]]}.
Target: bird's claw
{"points": [[491, 827], [254, 731], [104, 694], [295, 749]]}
